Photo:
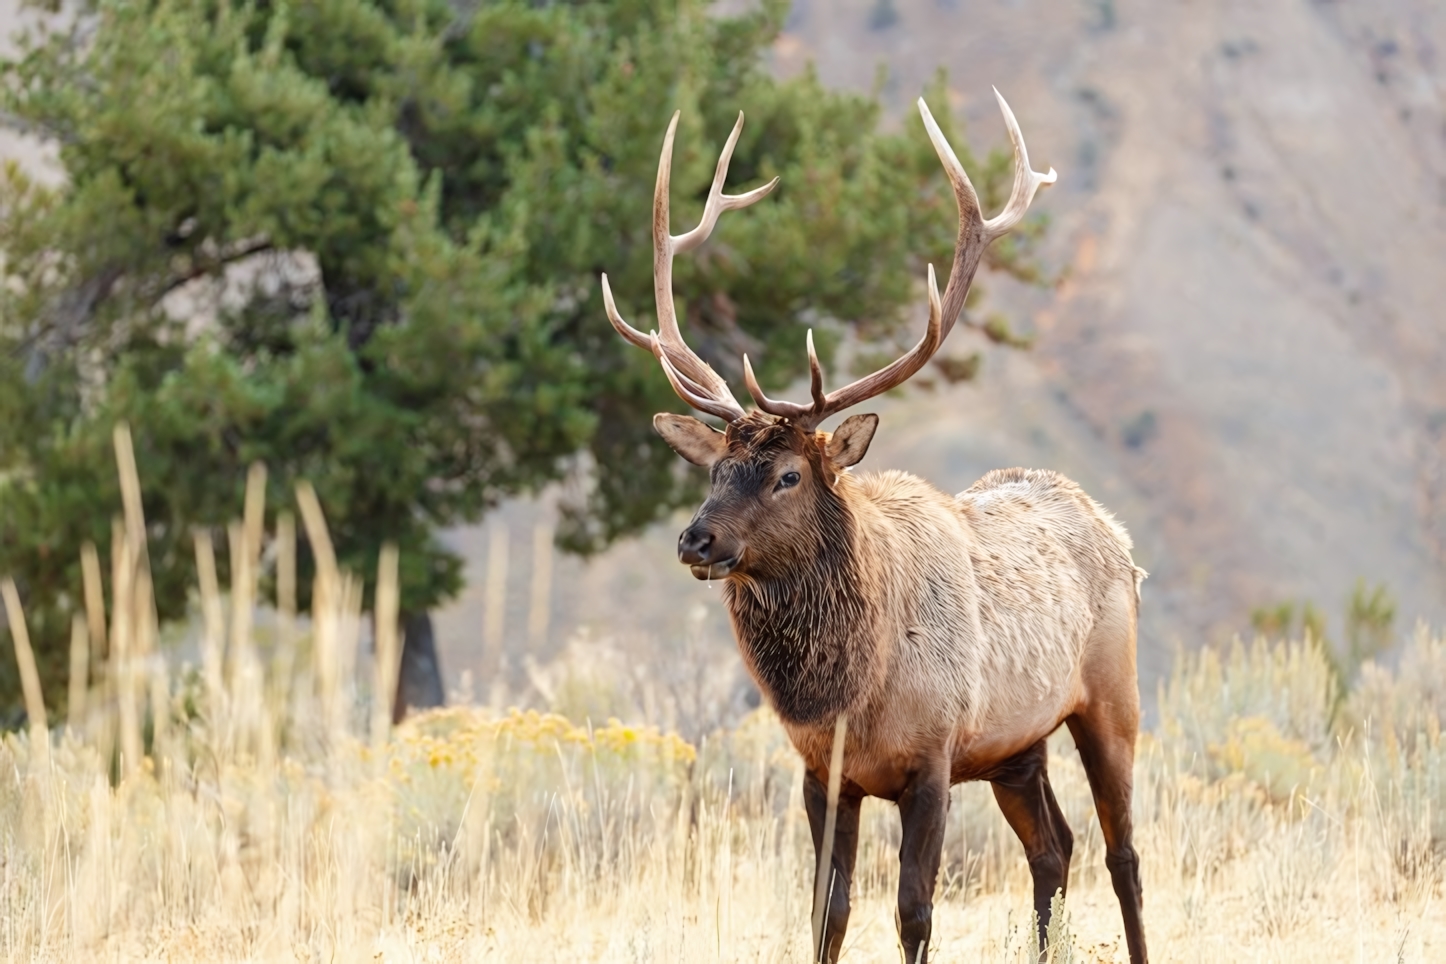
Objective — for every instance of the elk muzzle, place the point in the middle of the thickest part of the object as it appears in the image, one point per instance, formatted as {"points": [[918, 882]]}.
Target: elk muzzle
{"points": [[708, 555]]}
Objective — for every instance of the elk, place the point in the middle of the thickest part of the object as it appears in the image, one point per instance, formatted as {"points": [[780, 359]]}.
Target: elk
{"points": [[953, 634]]}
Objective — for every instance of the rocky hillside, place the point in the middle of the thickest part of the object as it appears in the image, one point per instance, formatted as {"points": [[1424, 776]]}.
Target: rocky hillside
{"points": [[1247, 359]]}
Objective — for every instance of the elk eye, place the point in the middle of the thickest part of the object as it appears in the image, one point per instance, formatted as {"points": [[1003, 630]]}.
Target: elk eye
{"points": [[789, 480]]}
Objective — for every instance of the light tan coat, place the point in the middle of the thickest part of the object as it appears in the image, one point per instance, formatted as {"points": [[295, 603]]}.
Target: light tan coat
{"points": [[951, 635], [999, 607]]}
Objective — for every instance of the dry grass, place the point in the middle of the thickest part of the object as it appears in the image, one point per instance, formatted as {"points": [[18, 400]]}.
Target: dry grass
{"points": [[256, 809]]}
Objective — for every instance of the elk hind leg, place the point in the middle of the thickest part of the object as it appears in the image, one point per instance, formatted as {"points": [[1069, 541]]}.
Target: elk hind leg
{"points": [[1021, 788], [1106, 741], [841, 869]]}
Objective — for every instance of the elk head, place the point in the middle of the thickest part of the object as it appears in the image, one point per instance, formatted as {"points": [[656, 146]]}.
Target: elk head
{"points": [[775, 477]]}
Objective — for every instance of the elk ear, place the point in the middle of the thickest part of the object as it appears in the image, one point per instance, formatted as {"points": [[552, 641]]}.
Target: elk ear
{"points": [[851, 440], [690, 438]]}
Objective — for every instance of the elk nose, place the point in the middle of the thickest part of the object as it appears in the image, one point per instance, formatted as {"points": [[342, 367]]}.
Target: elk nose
{"points": [[694, 546]]}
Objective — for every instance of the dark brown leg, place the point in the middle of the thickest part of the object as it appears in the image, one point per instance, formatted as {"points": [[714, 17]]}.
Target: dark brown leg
{"points": [[1023, 793], [923, 806], [845, 848], [1106, 745]]}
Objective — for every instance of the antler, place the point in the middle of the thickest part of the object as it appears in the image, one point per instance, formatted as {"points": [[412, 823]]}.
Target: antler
{"points": [[691, 377], [975, 234]]}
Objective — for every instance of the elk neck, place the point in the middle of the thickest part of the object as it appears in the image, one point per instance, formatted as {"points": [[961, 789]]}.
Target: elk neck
{"points": [[805, 629]]}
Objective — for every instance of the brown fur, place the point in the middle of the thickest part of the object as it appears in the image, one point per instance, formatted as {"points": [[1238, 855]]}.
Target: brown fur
{"points": [[955, 632], [951, 634], [799, 602], [865, 591]]}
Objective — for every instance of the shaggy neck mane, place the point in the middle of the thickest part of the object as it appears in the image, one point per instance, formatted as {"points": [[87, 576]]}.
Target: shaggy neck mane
{"points": [[805, 626]]}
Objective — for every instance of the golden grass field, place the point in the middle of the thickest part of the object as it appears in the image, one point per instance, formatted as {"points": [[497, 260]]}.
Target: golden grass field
{"points": [[255, 809]]}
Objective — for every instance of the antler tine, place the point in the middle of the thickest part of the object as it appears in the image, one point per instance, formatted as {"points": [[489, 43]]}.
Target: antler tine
{"points": [[895, 373], [1026, 180], [970, 242], [808, 417], [651, 345], [815, 372], [700, 386], [964, 194], [718, 202], [779, 407], [785, 409], [631, 334], [975, 234], [682, 359], [727, 409]]}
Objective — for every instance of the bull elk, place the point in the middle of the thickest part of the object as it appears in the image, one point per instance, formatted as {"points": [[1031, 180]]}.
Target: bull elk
{"points": [[952, 633]]}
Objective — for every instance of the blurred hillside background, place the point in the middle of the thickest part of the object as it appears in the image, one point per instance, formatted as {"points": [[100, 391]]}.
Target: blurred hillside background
{"points": [[1243, 358], [1239, 351], [1246, 359]]}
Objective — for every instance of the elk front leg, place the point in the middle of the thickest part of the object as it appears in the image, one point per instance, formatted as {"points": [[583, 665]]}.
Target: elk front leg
{"points": [[841, 869], [923, 806]]}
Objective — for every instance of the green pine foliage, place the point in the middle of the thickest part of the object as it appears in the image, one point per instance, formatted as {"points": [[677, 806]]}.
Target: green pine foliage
{"points": [[360, 242]]}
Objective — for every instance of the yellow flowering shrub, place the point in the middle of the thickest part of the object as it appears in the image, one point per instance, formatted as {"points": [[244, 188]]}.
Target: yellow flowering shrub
{"points": [[460, 773], [1254, 748]]}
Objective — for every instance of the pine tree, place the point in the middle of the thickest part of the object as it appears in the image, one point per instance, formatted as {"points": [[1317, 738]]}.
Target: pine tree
{"points": [[359, 242]]}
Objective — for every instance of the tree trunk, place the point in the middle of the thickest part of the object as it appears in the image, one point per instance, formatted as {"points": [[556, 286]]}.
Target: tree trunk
{"points": [[419, 679]]}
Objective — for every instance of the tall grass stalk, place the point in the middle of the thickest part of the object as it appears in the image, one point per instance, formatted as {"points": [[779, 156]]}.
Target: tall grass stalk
{"points": [[263, 808]]}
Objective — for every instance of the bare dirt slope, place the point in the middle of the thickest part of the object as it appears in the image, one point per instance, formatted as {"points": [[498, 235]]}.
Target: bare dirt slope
{"points": [[1248, 359], [1252, 206]]}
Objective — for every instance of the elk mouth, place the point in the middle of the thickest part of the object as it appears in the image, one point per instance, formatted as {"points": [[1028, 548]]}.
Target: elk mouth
{"points": [[714, 570]]}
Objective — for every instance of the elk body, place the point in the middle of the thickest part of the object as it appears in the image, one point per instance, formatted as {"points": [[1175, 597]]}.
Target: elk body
{"points": [[952, 633]]}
